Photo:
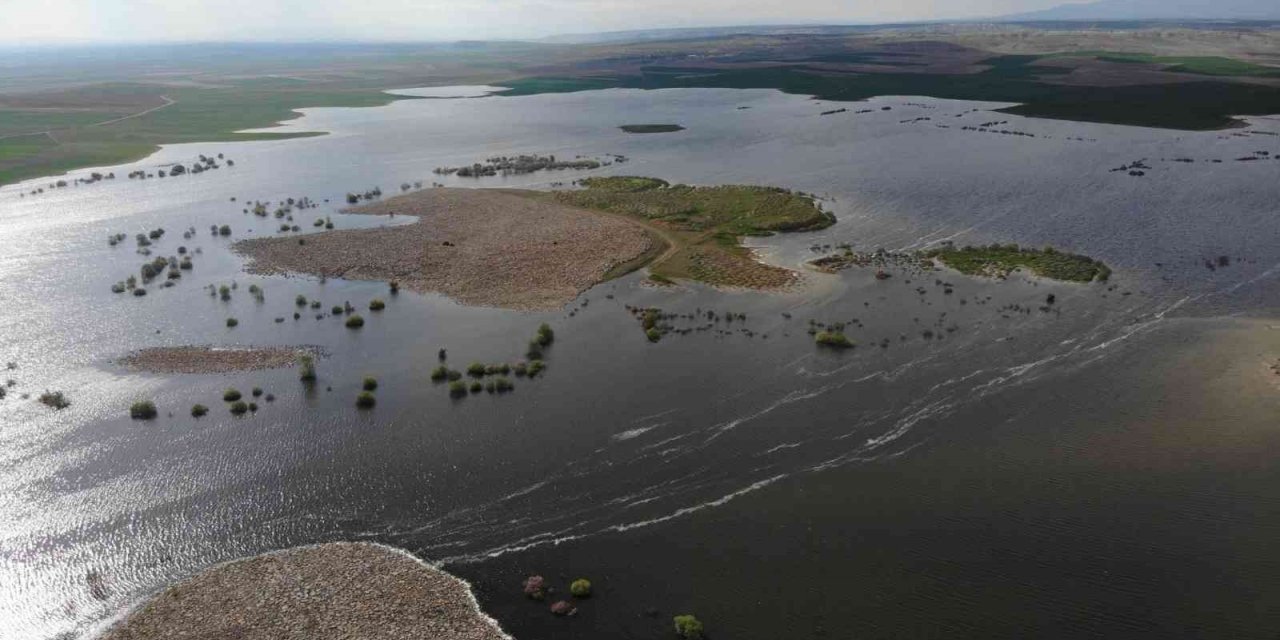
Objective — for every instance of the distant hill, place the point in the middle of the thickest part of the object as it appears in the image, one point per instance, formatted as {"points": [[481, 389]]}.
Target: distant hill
{"points": [[1158, 10]]}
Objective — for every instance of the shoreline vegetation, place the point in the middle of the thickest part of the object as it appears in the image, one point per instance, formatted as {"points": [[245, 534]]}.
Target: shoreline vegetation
{"points": [[990, 261], [704, 225], [336, 590], [483, 247], [193, 359]]}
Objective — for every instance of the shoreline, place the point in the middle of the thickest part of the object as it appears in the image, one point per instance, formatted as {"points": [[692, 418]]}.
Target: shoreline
{"points": [[402, 596]]}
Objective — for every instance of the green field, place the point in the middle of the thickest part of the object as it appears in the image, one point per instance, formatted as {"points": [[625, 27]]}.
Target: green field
{"points": [[1203, 65]]}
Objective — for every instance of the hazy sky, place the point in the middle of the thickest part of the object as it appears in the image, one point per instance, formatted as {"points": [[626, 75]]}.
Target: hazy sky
{"points": [[32, 21]]}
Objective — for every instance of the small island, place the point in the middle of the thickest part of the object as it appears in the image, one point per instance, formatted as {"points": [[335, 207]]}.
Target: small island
{"points": [[651, 128], [196, 359], [336, 590], [990, 261]]}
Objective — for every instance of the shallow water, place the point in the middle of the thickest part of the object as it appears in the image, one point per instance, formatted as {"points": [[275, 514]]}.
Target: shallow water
{"points": [[623, 447]]}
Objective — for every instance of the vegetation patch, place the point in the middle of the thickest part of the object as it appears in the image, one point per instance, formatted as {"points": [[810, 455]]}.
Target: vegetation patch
{"points": [[998, 261], [833, 339], [705, 224], [54, 399], [651, 128], [143, 410]]}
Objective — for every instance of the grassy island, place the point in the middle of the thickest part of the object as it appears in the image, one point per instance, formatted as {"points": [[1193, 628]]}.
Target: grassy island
{"points": [[703, 225], [999, 261]]}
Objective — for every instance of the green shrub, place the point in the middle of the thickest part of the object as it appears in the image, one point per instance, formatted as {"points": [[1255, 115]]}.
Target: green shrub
{"points": [[580, 588], [521, 369], [377, 304], [476, 387], [231, 395], [232, 322], [545, 335], [143, 410], [536, 367], [688, 627], [476, 370], [502, 384], [54, 399], [534, 352], [833, 339], [369, 384], [253, 407], [300, 300], [198, 410], [454, 374], [355, 321], [257, 392], [306, 367], [439, 373], [366, 400], [457, 388], [239, 407], [224, 230], [653, 334], [336, 310]]}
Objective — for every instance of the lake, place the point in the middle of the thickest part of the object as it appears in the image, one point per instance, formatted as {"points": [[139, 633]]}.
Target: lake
{"points": [[977, 467]]}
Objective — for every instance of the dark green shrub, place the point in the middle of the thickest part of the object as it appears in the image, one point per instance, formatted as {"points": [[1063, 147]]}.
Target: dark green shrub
{"points": [[439, 374], [476, 370], [454, 374], [239, 407], [224, 230], [257, 392], [377, 304], [521, 369], [300, 300], [502, 384], [457, 388], [536, 367], [198, 410], [355, 321], [653, 334], [336, 310], [688, 627], [833, 339], [253, 407], [54, 399], [369, 384], [306, 367], [232, 322], [545, 335], [231, 395], [534, 352], [580, 588], [143, 410], [366, 400], [476, 387]]}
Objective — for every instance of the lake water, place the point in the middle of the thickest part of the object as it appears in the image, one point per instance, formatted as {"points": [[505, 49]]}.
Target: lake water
{"points": [[1017, 473]]}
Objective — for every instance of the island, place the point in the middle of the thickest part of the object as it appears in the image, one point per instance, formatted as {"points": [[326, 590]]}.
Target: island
{"points": [[651, 128]]}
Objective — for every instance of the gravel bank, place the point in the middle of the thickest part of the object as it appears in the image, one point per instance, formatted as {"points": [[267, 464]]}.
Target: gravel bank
{"points": [[478, 246], [212, 359], [343, 590]]}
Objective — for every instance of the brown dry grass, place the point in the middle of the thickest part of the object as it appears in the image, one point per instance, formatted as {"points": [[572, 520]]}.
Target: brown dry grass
{"points": [[478, 246]]}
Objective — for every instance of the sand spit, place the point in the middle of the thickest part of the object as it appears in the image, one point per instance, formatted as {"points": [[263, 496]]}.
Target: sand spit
{"points": [[212, 359], [478, 246], [343, 590]]}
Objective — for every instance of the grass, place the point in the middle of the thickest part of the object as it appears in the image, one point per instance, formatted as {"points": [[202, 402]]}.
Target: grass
{"points": [[833, 339], [54, 399], [143, 410], [705, 224], [999, 261]]}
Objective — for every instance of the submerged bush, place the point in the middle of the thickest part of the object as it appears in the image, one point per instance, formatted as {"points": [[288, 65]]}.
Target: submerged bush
{"points": [[306, 367], [457, 388], [369, 384], [545, 335], [257, 392], [534, 352], [231, 395], [198, 410], [536, 367], [54, 399], [231, 322], [580, 588], [834, 339], [688, 627], [503, 384], [143, 410], [300, 300], [476, 370], [366, 400], [377, 304], [355, 321], [239, 407], [476, 387], [440, 373]]}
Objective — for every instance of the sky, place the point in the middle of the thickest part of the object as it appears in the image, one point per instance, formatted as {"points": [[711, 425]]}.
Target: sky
{"points": [[46, 21]]}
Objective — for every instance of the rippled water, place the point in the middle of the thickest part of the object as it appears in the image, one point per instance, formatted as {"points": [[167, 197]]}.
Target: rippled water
{"points": [[624, 447]]}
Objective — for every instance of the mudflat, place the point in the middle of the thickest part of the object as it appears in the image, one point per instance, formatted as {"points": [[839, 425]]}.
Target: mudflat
{"points": [[481, 247], [194, 359], [337, 590]]}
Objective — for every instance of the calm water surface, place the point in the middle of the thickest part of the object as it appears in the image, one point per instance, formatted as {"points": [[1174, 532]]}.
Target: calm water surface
{"points": [[994, 479]]}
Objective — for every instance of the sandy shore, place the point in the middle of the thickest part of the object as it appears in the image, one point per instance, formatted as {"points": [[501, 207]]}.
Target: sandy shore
{"points": [[344, 590], [211, 359], [478, 246]]}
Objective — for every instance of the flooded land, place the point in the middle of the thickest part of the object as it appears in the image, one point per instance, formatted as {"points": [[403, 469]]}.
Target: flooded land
{"points": [[899, 367]]}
